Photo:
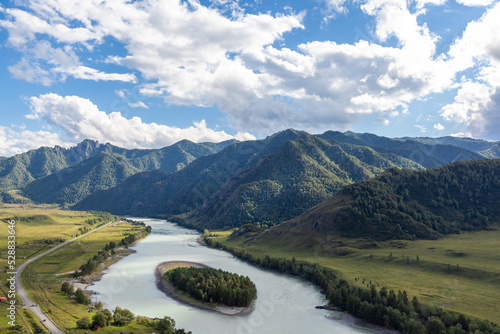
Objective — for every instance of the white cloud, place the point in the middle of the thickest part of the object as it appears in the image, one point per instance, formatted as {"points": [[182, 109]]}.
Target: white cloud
{"points": [[14, 142], [438, 127], [469, 102], [87, 73], [479, 42], [422, 3], [477, 106], [80, 119], [138, 104], [422, 128], [477, 101], [190, 54], [31, 72], [120, 93], [475, 2]]}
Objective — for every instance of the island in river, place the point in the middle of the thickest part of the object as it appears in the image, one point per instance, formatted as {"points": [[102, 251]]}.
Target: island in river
{"points": [[171, 291]]}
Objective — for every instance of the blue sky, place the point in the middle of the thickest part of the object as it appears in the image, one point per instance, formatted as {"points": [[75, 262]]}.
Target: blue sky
{"points": [[149, 73]]}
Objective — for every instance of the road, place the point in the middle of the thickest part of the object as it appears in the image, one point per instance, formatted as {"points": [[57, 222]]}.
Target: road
{"points": [[21, 292]]}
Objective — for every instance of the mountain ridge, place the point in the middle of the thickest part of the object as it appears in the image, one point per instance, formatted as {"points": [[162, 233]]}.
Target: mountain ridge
{"points": [[268, 181], [402, 204]]}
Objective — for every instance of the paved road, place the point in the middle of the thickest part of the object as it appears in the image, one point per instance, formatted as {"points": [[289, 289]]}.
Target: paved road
{"points": [[21, 292]]}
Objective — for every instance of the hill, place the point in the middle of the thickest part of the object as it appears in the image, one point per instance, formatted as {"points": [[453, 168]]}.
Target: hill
{"points": [[58, 175], [282, 185], [485, 148], [403, 204], [188, 188], [426, 153], [73, 184], [267, 181]]}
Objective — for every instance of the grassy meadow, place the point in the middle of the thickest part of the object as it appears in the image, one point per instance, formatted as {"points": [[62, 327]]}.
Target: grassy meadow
{"points": [[43, 278], [459, 273]]}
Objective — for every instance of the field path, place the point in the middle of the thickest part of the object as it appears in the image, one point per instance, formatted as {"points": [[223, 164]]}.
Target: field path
{"points": [[21, 292]]}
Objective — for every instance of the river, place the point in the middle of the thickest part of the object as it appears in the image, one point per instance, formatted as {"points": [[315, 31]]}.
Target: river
{"points": [[284, 304]]}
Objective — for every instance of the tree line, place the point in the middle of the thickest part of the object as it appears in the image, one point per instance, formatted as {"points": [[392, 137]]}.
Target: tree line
{"points": [[109, 250], [389, 308], [213, 285], [123, 317]]}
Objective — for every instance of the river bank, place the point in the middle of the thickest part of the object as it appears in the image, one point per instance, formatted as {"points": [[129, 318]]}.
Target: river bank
{"points": [[352, 321], [171, 292], [86, 282]]}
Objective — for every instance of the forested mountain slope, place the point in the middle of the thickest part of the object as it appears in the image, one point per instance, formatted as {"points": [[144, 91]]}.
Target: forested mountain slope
{"points": [[284, 184], [426, 155], [487, 149], [190, 187], [37, 169], [264, 182], [404, 204]]}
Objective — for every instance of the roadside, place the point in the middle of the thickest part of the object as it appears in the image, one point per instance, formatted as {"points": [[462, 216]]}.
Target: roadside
{"points": [[21, 292]]}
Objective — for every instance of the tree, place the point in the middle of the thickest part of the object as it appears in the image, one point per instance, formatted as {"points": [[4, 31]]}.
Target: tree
{"points": [[109, 316], [81, 297], [100, 319], [84, 323], [122, 317], [435, 326], [65, 287], [166, 325]]}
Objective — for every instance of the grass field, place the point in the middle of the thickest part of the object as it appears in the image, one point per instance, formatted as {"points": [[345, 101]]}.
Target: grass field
{"points": [[42, 278], [472, 288]]}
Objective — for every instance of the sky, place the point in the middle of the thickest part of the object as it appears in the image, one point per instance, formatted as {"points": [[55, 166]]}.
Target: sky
{"points": [[148, 73]]}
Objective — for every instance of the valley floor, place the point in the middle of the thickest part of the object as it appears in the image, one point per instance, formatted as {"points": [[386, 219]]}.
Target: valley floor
{"points": [[459, 273]]}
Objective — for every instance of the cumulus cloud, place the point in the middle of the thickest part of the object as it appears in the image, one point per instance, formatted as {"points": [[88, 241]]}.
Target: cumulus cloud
{"points": [[477, 101], [14, 142], [477, 106], [422, 128], [80, 119], [475, 2], [190, 54], [438, 127]]}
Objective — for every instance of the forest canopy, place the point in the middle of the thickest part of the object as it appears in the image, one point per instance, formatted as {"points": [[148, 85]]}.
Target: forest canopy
{"points": [[213, 285]]}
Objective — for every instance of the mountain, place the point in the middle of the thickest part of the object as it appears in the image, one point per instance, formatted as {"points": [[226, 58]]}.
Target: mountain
{"points": [[402, 204], [428, 155], [264, 182], [125, 195], [282, 185], [73, 184], [62, 175], [188, 188], [17, 171], [487, 149]]}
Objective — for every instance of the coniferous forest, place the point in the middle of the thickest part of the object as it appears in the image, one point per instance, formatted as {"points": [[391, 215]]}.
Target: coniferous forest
{"points": [[213, 285], [392, 309]]}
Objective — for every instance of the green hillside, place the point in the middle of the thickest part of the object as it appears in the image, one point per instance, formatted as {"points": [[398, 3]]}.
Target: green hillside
{"points": [[124, 195], [485, 148], [58, 175], [73, 184], [263, 182], [187, 189], [283, 185], [428, 155], [16, 172], [404, 204]]}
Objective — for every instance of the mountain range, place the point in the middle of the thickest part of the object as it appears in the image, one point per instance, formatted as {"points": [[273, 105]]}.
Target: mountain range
{"points": [[229, 184], [398, 204], [59, 175]]}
